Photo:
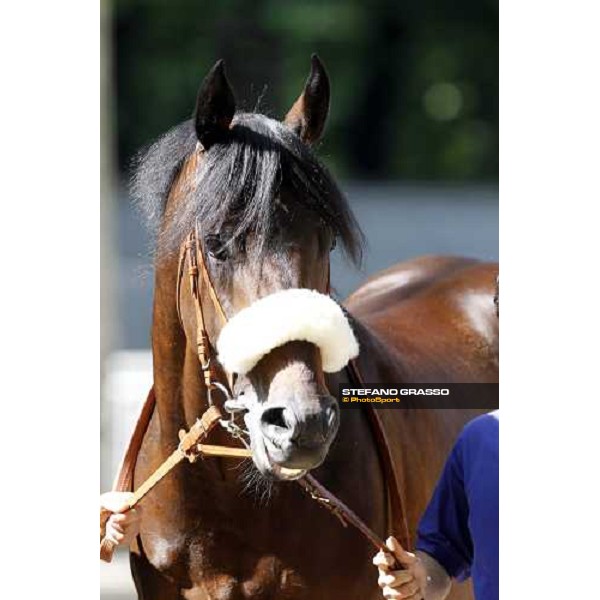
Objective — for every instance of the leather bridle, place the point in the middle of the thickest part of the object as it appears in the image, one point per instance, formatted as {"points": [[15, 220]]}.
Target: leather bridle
{"points": [[198, 273], [190, 448], [191, 249]]}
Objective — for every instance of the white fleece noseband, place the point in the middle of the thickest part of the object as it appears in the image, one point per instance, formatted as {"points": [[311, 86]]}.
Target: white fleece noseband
{"points": [[295, 314]]}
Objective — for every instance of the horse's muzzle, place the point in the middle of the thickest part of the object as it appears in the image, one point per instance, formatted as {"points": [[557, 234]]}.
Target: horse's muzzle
{"points": [[295, 440]]}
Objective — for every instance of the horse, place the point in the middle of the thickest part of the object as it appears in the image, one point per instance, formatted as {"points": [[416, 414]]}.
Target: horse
{"points": [[265, 213]]}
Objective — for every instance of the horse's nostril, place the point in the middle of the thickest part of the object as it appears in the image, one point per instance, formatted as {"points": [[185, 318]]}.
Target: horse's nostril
{"points": [[282, 427], [275, 416]]}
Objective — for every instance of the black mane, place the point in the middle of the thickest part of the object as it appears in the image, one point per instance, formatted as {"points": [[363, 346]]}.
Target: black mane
{"points": [[238, 183]]}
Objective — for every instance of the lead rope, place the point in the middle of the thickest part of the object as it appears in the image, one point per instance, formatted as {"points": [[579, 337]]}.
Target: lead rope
{"points": [[189, 447], [344, 514], [329, 501]]}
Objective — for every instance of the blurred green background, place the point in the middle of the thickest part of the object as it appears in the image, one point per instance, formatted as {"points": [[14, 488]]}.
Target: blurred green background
{"points": [[414, 83]]}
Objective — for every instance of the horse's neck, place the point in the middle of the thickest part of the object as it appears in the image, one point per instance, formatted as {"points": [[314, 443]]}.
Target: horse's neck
{"points": [[377, 361]]}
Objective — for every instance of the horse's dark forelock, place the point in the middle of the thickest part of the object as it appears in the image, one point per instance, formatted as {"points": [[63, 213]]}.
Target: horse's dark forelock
{"points": [[238, 184]]}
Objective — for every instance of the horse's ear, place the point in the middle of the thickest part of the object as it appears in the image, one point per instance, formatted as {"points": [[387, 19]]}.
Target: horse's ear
{"points": [[215, 106], [308, 115]]}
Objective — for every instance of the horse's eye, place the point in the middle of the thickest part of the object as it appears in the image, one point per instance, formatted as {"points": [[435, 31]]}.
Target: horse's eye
{"points": [[333, 244], [215, 247]]}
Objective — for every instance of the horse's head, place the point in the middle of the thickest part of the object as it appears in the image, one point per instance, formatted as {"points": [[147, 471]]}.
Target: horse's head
{"points": [[268, 214]]}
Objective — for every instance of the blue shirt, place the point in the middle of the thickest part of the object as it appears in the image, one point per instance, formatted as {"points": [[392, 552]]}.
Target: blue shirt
{"points": [[460, 525]]}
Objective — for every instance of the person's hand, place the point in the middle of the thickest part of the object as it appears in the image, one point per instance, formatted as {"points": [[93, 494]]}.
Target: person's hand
{"points": [[406, 584], [124, 523]]}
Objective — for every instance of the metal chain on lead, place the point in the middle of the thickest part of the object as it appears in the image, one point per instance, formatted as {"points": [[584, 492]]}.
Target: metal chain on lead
{"points": [[232, 407]]}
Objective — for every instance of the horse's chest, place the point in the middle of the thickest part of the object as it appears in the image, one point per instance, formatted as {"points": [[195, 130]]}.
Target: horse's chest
{"points": [[267, 581], [225, 571]]}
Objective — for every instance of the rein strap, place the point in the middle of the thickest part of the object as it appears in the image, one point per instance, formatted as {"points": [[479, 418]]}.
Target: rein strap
{"points": [[188, 447]]}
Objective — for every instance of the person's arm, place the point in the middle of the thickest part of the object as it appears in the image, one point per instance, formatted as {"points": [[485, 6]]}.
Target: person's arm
{"points": [[443, 533], [423, 578]]}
